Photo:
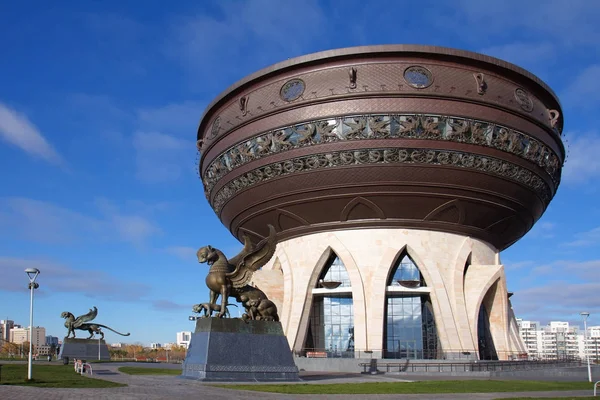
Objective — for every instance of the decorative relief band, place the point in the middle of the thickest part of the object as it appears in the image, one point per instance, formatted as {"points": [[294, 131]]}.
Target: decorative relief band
{"points": [[394, 155], [409, 126]]}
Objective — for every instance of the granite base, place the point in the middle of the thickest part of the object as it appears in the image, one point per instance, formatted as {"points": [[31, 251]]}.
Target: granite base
{"points": [[84, 349], [229, 349]]}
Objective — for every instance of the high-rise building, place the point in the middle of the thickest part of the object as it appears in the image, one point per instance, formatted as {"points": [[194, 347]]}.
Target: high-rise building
{"points": [[5, 326], [183, 338], [555, 341], [21, 335], [52, 340]]}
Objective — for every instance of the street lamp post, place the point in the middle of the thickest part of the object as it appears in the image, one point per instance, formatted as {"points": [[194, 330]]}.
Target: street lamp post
{"points": [[32, 273], [585, 316]]}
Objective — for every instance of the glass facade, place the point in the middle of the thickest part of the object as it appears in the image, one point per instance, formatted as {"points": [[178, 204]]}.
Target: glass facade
{"points": [[410, 330], [406, 273], [487, 350], [331, 327], [336, 272]]}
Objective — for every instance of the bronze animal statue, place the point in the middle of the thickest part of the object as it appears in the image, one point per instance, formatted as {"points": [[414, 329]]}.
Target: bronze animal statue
{"points": [[198, 308], [72, 323], [231, 277]]}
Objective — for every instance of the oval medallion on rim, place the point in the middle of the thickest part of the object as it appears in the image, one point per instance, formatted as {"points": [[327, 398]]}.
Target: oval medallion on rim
{"points": [[216, 127], [418, 77], [524, 100], [292, 89]]}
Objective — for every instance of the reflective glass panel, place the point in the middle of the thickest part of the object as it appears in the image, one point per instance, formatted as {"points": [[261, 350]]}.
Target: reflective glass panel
{"points": [[406, 273], [410, 328], [331, 325], [335, 271]]}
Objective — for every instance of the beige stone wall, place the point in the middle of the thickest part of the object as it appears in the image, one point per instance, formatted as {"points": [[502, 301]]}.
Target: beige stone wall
{"points": [[369, 255]]}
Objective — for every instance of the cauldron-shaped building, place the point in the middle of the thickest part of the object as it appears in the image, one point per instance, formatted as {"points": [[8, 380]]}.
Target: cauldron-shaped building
{"points": [[394, 176]]}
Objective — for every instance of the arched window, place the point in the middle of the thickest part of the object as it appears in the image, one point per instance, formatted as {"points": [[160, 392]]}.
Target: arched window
{"points": [[409, 330], [331, 320], [485, 341]]}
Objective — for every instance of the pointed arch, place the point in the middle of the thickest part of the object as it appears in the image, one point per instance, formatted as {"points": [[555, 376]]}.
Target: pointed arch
{"points": [[254, 237], [405, 272], [323, 244], [451, 211], [288, 220], [361, 208], [409, 320], [330, 323], [485, 340]]}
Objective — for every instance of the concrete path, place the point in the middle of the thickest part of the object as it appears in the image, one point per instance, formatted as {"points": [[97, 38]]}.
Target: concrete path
{"points": [[171, 387]]}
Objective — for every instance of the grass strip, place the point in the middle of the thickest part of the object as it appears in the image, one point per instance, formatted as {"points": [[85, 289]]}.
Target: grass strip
{"points": [[51, 376], [550, 398], [149, 371], [462, 386]]}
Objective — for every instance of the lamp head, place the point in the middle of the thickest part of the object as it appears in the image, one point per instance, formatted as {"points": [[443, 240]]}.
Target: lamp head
{"points": [[32, 273], [584, 314]]}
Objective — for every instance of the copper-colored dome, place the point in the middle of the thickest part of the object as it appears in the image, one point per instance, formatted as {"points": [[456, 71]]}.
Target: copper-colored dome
{"points": [[384, 136]]}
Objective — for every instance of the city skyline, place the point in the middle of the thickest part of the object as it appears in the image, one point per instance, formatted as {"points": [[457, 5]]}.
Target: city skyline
{"points": [[98, 119]]}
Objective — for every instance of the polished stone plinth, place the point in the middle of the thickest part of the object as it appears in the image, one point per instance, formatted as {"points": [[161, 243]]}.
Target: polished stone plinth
{"points": [[84, 349], [230, 349]]}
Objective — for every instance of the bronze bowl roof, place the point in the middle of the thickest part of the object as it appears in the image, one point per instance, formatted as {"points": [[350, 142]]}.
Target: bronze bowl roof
{"points": [[383, 136]]}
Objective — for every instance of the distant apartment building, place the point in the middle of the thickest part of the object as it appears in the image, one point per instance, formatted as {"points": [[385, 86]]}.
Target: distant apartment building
{"points": [[52, 340], [169, 345], [592, 343], [155, 346], [5, 326], [21, 335], [183, 338], [558, 340]]}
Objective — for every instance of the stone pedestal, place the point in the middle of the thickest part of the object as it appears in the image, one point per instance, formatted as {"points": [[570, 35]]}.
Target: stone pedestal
{"points": [[230, 349], [84, 349]]}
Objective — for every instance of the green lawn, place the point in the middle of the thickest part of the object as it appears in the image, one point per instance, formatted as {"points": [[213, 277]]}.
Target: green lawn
{"points": [[550, 398], [54, 376], [464, 386], [149, 371]]}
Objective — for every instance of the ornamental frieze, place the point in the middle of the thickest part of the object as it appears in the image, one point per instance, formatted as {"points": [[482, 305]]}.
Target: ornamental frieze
{"points": [[375, 156], [360, 127]]}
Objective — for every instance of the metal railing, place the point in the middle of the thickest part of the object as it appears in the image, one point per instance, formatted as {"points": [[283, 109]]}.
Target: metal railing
{"points": [[436, 355], [408, 366]]}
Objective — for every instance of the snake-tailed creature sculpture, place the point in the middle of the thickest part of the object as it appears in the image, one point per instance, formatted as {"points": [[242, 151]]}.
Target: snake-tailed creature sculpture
{"points": [[230, 277], [72, 323]]}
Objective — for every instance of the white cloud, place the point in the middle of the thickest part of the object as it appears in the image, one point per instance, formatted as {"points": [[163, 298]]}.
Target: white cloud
{"points": [[160, 158], [584, 91], [542, 230], [48, 223], [166, 305], [186, 253], [570, 22], [229, 39], [58, 278], [575, 281], [180, 119], [582, 164], [15, 128], [531, 56], [589, 238]]}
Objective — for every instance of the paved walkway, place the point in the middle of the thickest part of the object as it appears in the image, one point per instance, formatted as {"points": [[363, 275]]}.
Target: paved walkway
{"points": [[171, 387]]}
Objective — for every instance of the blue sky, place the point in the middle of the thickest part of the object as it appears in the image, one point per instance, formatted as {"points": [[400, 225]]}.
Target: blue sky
{"points": [[99, 105]]}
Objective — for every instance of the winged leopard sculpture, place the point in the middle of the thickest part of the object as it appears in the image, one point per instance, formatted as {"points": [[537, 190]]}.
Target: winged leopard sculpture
{"points": [[81, 323], [230, 278]]}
